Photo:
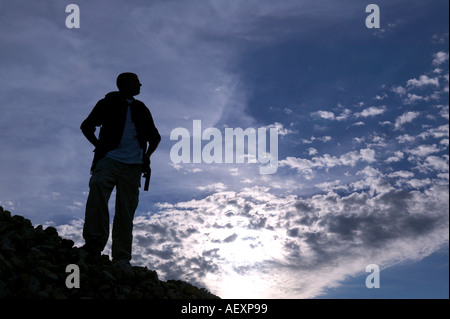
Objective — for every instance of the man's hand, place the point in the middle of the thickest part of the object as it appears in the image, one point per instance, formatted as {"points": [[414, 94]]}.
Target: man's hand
{"points": [[146, 170]]}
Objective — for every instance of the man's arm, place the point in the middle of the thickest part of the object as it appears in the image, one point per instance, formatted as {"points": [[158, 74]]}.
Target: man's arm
{"points": [[154, 138], [146, 165], [90, 135], [91, 122], [152, 146]]}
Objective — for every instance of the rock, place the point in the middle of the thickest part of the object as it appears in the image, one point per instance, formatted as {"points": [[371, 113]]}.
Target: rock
{"points": [[33, 263], [5, 266], [191, 290], [123, 270]]}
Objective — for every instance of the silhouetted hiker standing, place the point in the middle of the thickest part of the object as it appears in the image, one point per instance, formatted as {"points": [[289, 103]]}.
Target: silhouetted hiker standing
{"points": [[121, 156]]}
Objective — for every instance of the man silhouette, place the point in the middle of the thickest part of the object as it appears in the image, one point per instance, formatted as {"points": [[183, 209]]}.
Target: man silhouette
{"points": [[127, 139]]}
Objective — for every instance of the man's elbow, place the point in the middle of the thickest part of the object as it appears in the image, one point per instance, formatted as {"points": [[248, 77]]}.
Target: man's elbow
{"points": [[83, 127], [87, 128]]}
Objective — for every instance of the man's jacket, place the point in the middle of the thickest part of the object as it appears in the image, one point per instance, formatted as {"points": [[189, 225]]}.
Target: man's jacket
{"points": [[110, 113]]}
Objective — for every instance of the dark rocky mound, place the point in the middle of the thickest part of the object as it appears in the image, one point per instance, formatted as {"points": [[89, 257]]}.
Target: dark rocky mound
{"points": [[33, 265]]}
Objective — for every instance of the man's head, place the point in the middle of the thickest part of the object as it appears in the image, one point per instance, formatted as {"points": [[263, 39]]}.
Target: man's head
{"points": [[128, 83]]}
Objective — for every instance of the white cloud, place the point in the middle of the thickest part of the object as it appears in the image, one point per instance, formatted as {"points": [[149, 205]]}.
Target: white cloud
{"points": [[247, 181], [359, 139], [440, 58], [327, 115], [405, 138], [412, 98], [422, 81], [313, 138], [436, 132], [444, 111], [398, 156], [418, 183], [444, 142], [344, 115], [437, 163], [402, 174], [305, 167], [328, 186], [371, 111], [217, 187], [164, 205], [252, 244], [280, 127], [367, 155], [439, 39], [406, 117], [360, 123], [423, 150], [369, 171], [381, 97], [400, 90]]}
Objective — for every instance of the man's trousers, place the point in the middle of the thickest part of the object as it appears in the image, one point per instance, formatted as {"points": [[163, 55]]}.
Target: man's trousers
{"points": [[109, 173]]}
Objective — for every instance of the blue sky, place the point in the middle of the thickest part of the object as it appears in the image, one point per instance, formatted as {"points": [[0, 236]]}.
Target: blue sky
{"points": [[363, 136]]}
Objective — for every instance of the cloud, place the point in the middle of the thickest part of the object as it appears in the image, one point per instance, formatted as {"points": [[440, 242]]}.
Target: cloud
{"points": [[437, 163], [371, 111], [402, 174], [258, 240], [423, 150], [399, 155], [439, 38], [381, 97], [346, 113], [444, 112], [412, 98], [418, 183], [282, 131], [313, 138], [400, 90], [406, 117], [212, 187], [436, 132], [405, 138], [327, 115], [306, 167], [440, 58], [422, 81]]}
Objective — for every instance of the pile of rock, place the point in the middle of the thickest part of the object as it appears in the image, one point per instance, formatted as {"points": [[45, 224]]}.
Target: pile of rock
{"points": [[33, 263]]}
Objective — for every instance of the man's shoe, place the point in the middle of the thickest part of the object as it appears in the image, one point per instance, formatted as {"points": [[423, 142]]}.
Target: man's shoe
{"points": [[91, 250]]}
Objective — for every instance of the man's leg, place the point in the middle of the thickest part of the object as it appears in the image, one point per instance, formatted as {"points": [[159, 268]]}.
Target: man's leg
{"points": [[96, 224], [127, 198]]}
